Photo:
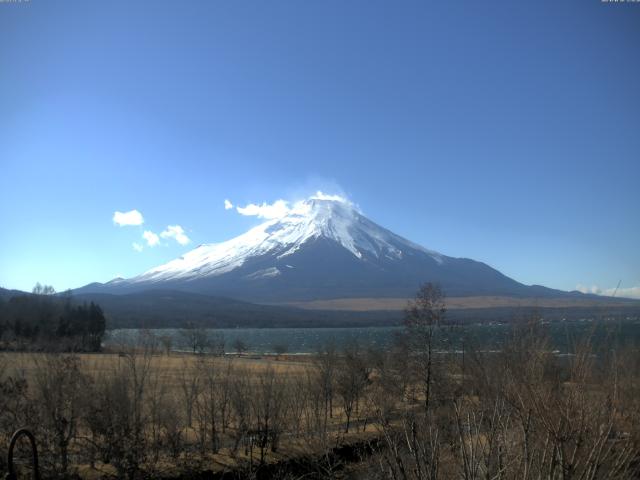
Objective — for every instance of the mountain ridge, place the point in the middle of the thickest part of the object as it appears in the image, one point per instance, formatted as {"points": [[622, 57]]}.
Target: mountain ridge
{"points": [[321, 248]]}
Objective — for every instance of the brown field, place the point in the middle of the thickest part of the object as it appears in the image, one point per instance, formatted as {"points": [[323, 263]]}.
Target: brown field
{"points": [[399, 413], [373, 304], [170, 367]]}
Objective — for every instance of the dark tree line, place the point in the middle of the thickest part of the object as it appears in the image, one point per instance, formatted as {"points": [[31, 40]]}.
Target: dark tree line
{"points": [[44, 321]]}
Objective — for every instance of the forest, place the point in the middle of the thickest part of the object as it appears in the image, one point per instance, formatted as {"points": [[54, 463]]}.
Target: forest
{"points": [[43, 321]]}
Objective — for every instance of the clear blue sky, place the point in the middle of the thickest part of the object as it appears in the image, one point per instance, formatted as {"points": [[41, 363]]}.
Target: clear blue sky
{"points": [[504, 131]]}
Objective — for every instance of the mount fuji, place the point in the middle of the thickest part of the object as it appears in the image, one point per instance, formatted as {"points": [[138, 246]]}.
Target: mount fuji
{"points": [[322, 248]]}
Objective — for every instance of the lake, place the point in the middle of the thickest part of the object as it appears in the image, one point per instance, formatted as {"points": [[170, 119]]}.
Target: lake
{"points": [[563, 336]]}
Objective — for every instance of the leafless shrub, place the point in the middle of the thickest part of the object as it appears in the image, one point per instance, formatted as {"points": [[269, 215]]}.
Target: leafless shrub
{"points": [[117, 416], [423, 316], [15, 407], [189, 388], [58, 384], [209, 404], [240, 401], [268, 410], [351, 380]]}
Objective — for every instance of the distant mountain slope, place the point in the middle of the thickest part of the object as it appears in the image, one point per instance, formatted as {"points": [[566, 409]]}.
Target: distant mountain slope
{"points": [[7, 294], [166, 308], [322, 249], [174, 309]]}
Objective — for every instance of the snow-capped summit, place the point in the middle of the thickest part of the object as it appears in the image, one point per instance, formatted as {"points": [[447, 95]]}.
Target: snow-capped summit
{"points": [[333, 219], [319, 248]]}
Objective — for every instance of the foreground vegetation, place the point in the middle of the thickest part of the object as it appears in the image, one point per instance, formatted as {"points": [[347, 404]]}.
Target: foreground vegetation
{"points": [[408, 413]]}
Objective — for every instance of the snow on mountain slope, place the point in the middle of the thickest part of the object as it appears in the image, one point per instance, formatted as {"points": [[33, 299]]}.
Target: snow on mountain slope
{"points": [[334, 219], [319, 248]]}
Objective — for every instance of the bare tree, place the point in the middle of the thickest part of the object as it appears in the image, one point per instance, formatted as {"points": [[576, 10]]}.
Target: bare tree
{"points": [[209, 403], [167, 343], [296, 400], [240, 401], [58, 383], [196, 338], [351, 380], [116, 414], [240, 346], [268, 410], [422, 318], [326, 364], [190, 387], [39, 289], [280, 349], [15, 405]]}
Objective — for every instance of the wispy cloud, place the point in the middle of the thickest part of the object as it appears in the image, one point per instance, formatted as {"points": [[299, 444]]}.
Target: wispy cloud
{"points": [[281, 208], [151, 238], [227, 204], [324, 196], [177, 233], [277, 209], [132, 217], [630, 292]]}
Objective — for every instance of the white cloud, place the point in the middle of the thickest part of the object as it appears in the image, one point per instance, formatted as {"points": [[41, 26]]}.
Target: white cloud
{"points": [[151, 238], [630, 292], [280, 208], [227, 204], [176, 232], [133, 217], [585, 289], [277, 209], [323, 196]]}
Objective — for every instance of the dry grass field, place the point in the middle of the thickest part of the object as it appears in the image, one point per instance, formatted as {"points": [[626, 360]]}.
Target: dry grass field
{"points": [[171, 365], [402, 413], [374, 304]]}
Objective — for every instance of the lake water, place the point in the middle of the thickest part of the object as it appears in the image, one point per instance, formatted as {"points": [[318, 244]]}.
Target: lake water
{"points": [[563, 336]]}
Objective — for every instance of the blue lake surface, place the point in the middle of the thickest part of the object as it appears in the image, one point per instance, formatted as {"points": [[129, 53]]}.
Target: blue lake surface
{"points": [[563, 336]]}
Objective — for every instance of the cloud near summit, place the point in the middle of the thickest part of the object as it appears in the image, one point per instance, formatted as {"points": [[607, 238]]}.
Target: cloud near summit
{"points": [[277, 209], [281, 208]]}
